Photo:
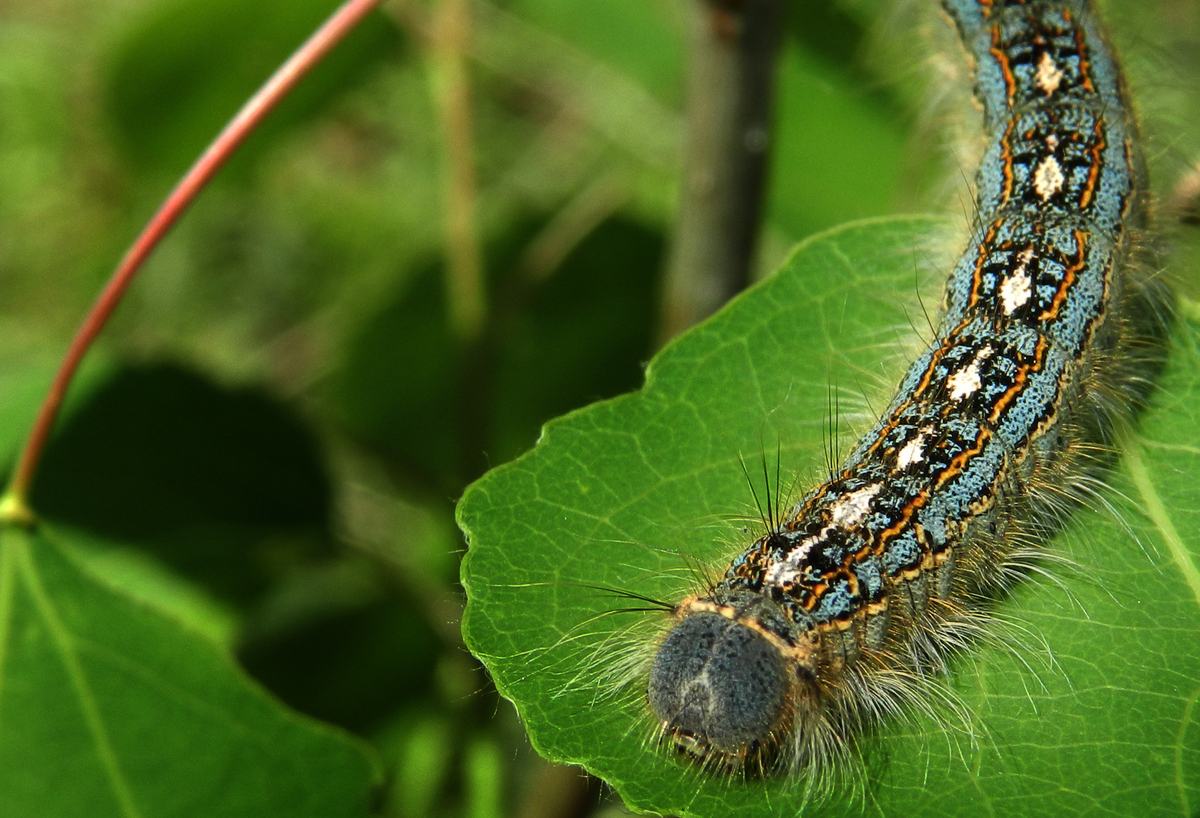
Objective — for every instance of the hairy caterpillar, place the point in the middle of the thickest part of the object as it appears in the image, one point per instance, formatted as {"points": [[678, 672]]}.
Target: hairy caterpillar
{"points": [[613, 495], [841, 612]]}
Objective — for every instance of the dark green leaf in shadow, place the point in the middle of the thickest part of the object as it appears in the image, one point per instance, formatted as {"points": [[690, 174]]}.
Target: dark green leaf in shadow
{"points": [[827, 30], [553, 342], [212, 480], [108, 708], [631, 493], [583, 334], [398, 390], [354, 667]]}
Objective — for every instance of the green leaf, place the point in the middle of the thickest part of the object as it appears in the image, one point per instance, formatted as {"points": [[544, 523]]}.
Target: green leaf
{"points": [[108, 708], [1101, 719]]}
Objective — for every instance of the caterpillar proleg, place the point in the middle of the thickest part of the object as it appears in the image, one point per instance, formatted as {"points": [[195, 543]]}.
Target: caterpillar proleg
{"points": [[840, 613]]}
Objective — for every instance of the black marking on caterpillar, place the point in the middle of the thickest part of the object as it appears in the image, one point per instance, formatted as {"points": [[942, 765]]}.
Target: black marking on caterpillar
{"points": [[843, 612]]}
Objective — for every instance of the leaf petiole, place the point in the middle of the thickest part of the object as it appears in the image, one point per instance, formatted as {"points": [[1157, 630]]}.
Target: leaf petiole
{"points": [[14, 504]]}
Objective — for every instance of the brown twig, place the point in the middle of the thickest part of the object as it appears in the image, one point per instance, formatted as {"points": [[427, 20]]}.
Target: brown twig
{"points": [[14, 505], [731, 80]]}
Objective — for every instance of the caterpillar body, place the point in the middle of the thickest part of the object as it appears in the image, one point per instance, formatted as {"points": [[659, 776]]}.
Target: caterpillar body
{"points": [[842, 613]]}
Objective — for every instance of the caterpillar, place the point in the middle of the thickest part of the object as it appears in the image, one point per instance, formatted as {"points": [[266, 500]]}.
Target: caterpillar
{"points": [[847, 608]]}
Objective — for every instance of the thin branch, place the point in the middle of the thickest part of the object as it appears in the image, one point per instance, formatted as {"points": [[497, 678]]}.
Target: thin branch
{"points": [[14, 505], [450, 42], [731, 81]]}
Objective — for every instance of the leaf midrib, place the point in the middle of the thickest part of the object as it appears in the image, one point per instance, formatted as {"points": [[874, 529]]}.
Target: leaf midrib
{"points": [[18, 560], [1156, 510]]}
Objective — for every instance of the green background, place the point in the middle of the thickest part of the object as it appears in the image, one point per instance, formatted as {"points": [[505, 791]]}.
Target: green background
{"points": [[249, 575]]}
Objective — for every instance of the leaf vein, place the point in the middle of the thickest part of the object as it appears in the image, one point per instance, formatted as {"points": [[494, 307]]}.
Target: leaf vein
{"points": [[6, 601], [91, 712], [1158, 514]]}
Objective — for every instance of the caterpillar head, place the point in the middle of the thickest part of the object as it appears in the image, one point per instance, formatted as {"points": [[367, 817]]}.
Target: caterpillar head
{"points": [[725, 682]]}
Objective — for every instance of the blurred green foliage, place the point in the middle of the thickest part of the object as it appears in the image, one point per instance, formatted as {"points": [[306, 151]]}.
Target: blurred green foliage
{"points": [[269, 443]]}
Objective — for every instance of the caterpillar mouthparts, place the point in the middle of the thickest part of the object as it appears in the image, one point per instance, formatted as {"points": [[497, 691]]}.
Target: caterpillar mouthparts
{"points": [[722, 682]]}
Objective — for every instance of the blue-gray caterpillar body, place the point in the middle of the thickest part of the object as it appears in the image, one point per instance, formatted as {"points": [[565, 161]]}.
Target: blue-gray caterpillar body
{"points": [[1051, 332]]}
